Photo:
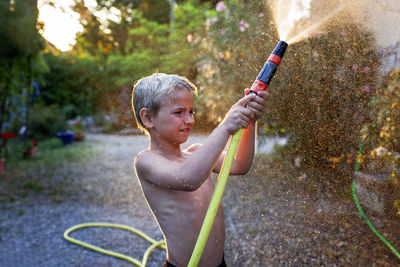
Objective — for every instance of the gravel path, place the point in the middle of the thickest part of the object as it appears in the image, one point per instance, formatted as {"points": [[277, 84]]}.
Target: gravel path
{"points": [[271, 220]]}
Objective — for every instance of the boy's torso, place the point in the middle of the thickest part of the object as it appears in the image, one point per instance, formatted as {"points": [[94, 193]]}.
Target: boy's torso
{"points": [[180, 215]]}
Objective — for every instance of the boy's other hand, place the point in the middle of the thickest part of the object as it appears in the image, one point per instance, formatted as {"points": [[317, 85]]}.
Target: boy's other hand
{"points": [[240, 116], [257, 105]]}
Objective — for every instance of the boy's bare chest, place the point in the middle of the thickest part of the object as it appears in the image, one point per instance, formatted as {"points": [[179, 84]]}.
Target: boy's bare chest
{"points": [[166, 201]]}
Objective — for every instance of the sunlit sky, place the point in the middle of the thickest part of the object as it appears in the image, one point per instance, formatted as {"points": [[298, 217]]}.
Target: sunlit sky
{"points": [[62, 24]]}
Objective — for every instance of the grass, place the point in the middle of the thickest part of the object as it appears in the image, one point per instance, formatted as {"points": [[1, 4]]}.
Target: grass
{"points": [[46, 173]]}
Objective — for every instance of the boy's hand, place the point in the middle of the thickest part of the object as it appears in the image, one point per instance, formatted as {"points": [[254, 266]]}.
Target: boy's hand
{"points": [[257, 105], [240, 116]]}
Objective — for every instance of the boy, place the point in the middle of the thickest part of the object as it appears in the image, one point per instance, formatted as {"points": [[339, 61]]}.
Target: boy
{"points": [[176, 183]]}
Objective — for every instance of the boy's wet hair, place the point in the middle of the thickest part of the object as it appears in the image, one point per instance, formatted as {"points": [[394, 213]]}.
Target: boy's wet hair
{"points": [[149, 91]]}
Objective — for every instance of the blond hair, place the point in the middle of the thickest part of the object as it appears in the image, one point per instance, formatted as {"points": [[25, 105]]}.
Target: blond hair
{"points": [[149, 91]]}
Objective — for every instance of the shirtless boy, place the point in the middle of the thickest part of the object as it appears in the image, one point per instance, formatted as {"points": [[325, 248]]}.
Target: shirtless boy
{"points": [[176, 183]]}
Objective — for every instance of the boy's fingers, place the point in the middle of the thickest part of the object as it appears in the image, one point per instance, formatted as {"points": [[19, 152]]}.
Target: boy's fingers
{"points": [[255, 108], [263, 94], [244, 100]]}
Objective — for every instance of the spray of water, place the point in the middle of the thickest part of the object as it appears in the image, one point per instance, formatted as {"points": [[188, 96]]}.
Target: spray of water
{"points": [[313, 28], [298, 19]]}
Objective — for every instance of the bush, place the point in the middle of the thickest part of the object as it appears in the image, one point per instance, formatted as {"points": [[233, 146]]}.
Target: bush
{"points": [[239, 40], [46, 121], [51, 143], [75, 83], [382, 133]]}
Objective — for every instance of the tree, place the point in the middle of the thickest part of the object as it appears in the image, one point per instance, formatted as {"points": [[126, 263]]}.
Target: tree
{"points": [[239, 38], [93, 40], [20, 46]]}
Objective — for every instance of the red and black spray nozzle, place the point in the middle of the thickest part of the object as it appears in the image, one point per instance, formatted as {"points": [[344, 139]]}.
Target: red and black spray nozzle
{"points": [[269, 69]]}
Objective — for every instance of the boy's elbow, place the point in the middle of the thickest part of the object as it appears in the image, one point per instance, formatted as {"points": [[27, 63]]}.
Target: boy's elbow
{"points": [[241, 169], [244, 171]]}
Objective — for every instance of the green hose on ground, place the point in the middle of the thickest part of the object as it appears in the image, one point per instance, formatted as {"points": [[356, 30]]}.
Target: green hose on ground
{"points": [[208, 220], [360, 209], [146, 255], [204, 232]]}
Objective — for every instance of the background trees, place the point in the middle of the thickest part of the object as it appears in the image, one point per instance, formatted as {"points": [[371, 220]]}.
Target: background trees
{"points": [[319, 98], [20, 61]]}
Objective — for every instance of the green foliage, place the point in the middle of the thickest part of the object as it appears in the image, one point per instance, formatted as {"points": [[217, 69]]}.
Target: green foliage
{"points": [[92, 40], [73, 83], [185, 42], [78, 127], [46, 121], [166, 49], [18, 32], [42, 174], [124, 70], [20, 59], [238, 41], [382, 133], [386, 108], [141, 47], [51, 143]]}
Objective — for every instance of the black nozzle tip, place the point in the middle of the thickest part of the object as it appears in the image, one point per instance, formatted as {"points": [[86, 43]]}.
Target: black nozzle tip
{"points": [[280, 49]]}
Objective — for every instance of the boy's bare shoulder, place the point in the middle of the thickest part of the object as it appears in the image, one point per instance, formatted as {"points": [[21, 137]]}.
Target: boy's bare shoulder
{"points": [[144, 157], [144, 165], [154, 168]]}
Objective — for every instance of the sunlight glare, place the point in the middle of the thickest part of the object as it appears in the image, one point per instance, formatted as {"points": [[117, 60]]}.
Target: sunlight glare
{"points": [[60, 27], [62, 24]]}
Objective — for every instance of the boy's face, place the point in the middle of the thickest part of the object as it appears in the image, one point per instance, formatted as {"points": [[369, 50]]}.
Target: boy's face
{"points": [[175, 118]]}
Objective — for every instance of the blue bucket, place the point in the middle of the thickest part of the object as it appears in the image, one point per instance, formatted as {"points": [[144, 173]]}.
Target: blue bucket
{"points": [[66, 137]]}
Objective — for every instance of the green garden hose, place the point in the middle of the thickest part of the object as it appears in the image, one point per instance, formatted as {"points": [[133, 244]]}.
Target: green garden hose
{"points": [[354, 193], [209, 218], [215, 199], [153, 242], [204, 232]]}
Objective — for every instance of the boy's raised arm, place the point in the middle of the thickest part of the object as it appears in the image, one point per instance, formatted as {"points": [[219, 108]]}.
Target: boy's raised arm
{"points": [[245, 152], [192, 170]]}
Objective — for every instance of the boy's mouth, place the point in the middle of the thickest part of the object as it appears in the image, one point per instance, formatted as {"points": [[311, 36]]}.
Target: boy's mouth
{"points": [[186, 130]]}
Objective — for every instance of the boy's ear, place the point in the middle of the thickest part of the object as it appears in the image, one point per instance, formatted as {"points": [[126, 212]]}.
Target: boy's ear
{"points": [[147, 118]]}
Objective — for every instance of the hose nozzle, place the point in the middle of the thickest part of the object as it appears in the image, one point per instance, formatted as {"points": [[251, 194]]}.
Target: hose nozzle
{"points": [[269, 69]]}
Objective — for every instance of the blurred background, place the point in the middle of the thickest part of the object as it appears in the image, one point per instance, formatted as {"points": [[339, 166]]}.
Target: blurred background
{"points": [[73, 63], [67, 69]]}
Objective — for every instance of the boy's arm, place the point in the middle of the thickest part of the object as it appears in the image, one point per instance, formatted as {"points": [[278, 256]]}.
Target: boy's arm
{"points": [[245, 152], [189, 172]]}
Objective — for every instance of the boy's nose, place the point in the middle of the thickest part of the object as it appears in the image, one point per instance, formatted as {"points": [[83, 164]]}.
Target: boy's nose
{"points": [[189, 119]]}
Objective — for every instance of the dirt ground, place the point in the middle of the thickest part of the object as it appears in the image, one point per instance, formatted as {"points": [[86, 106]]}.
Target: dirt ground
{"points": [[272, 218]]}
